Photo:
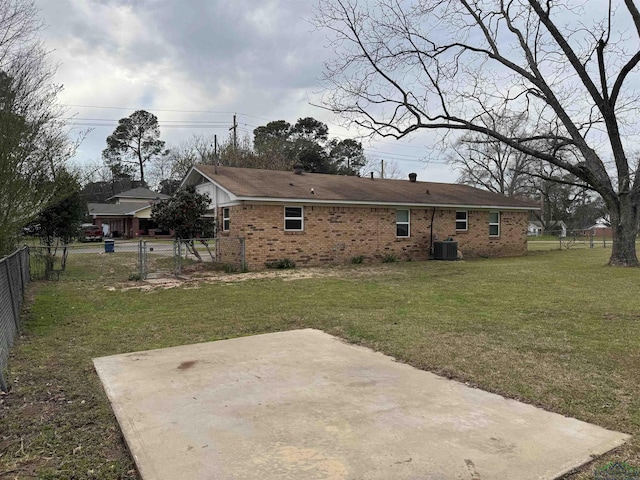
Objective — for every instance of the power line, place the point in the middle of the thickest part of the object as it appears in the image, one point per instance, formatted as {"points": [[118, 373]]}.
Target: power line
{"points": [[96, 124], [214, 124], [73, 119], [222, 113], [162, 110]]}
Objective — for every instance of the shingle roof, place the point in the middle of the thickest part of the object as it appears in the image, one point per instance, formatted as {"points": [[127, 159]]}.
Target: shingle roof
{"points": [[128, 208], [247, 183], [140, 192]]}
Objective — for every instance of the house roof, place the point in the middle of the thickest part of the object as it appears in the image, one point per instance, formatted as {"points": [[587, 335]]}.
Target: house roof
{"points": [[276, 185], [120, 209], [140, 192]]}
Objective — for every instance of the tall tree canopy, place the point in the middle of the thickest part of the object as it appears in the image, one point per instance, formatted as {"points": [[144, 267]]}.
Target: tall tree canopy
{"points": [[135, 141], [307, 143], [405, 66], [34, 141]]}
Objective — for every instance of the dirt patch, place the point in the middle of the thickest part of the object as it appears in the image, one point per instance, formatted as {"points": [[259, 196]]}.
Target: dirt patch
{"points": [[198, 277]]}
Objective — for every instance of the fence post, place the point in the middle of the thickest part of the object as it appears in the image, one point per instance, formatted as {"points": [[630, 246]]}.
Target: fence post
{"points": [[140, 272], [21, 270], [16, 319], [177, 256]]}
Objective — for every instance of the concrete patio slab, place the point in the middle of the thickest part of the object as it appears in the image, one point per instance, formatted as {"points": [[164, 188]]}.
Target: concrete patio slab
{"points": [[306, 405]]}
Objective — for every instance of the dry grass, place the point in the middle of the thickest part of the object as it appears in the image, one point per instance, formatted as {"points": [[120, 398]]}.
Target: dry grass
{"points": [[556, 329]]}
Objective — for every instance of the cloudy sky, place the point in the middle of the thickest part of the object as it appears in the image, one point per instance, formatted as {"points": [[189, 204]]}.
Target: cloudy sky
{"points": [[196, 63]]}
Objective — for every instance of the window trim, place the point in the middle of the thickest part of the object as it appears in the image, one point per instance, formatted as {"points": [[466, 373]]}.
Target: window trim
{"points": [[300, 218], [407, 223], [465, 220], [494, 224], [226, 219]]}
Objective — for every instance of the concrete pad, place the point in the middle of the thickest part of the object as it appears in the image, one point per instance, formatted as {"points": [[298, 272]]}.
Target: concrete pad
{"points": [[306, 405]]}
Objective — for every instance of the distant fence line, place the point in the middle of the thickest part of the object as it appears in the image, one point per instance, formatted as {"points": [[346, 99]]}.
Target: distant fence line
{"points": [[567, 239], [14, 277]]}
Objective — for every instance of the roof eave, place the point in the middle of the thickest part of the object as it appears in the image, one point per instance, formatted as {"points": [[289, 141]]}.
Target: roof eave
{"points": [[381, 204]]}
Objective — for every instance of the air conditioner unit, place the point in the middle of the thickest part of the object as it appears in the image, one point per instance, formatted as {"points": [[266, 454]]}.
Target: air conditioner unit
{"points": [[445, 250]]}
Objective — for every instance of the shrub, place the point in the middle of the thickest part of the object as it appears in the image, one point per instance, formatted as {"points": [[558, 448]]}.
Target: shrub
{"points": [[230, 268], [281, 263], [357, 259], [390, 258]]}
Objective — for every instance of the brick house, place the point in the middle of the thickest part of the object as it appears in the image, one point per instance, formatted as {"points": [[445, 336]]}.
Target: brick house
{"points": [[128, 214], [317, 219]]}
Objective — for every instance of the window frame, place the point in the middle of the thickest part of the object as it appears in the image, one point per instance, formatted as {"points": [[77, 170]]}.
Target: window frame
{"points": [[407, 223], [494, 224], [300, 219], [226, 219], [465, 220]]}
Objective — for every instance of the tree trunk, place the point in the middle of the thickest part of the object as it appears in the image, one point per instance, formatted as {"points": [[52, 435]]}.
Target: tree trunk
{"points": [[624, 227], [140, 162]]}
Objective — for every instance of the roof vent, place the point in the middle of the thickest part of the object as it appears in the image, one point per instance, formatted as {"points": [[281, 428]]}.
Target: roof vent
{"points": [[297, 169], [413, 177]]}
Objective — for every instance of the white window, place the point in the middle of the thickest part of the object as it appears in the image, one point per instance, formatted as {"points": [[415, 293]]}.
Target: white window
{"points": [[494, 224], [225, 219], [462, 220], [403, 228], [293, 219]]}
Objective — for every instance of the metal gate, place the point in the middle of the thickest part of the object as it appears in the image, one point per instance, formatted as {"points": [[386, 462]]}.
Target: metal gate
{"points": [[162, 257]]}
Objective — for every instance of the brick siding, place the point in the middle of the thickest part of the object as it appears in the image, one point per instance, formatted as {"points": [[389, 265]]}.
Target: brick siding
{"points": [[336, 234]]}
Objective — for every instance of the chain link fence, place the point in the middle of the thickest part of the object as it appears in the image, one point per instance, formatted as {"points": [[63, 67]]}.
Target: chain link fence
{"points": [[14, 277], [571, 239], [157, 258], [226, 253]]}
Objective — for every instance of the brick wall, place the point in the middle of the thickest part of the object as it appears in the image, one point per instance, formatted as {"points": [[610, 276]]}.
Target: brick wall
{"points": [[476, 241], [336, 234]]}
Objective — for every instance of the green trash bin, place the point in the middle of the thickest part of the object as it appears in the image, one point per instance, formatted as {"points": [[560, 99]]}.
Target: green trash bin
{"points": [[109, 246]]}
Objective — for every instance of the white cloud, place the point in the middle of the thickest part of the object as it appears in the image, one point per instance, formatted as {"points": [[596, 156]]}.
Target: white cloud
{"points": [[260, 60]]}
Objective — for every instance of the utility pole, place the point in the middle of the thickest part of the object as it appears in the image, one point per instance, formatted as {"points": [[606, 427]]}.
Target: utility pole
{"points": [[235, 133], [381, 168]]}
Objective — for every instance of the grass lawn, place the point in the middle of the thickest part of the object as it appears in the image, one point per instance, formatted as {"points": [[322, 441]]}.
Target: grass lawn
{"points": [[557, 329]]}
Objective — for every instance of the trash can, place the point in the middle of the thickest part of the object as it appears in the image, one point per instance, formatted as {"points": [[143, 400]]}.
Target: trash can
{"points": [[109, 246]]}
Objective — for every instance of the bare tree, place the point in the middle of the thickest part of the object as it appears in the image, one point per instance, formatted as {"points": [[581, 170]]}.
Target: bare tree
{"points": [[381, 168], [449, 64], [34, 141], [484, 162]]}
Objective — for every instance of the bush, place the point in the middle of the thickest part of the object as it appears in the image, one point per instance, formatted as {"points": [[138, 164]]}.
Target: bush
{"points": [[230, 268], [390, 258], [281, 263], [134, 277], [357, 259]]}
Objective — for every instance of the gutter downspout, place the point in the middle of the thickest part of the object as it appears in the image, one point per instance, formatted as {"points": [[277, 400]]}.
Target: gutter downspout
{"points": [[433, 214]]}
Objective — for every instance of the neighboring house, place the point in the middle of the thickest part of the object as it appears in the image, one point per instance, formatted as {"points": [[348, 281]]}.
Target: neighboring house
{"points": [[559, 229], [535, 228], [600, 229], [317, 219], [128, 214]]}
